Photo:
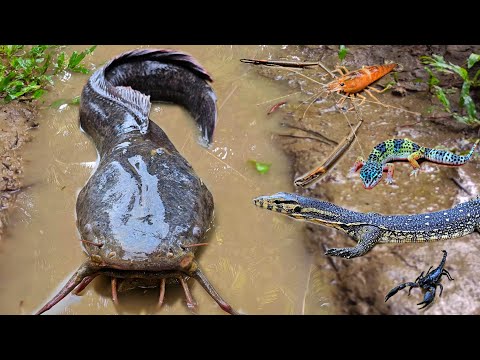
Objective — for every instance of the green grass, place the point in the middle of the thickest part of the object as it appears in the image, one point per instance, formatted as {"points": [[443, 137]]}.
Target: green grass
{"points": [[436, 63], [342, 52], [27, 71]]}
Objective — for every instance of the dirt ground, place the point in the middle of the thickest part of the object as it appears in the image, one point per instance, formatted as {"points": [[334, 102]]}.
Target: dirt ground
{"points": [[359, 285], [17, 119]]}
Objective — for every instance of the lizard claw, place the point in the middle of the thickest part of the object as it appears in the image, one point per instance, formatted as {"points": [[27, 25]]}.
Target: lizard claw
{"points": [[342, 252], [414, 173]]}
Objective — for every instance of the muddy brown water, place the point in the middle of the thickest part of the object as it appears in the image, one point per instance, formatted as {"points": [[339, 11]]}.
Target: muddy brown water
{"points": [[257, 261]]}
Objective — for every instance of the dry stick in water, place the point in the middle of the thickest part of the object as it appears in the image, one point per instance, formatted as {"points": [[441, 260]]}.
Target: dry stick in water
{"points": [[330, 162], [455, 181], [278, 98], [317, 134], [194, 245], [302, 137], [296, 64]]}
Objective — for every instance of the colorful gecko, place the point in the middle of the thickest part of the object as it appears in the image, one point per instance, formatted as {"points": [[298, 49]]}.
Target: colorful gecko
{"points": [[402, 149]]}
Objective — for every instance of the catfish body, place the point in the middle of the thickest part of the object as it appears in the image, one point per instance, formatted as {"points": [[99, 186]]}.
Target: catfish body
{"points": [[144, 208]]}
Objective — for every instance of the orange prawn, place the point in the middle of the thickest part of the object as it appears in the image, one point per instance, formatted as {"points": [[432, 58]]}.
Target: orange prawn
{"points": [[352, 82]]}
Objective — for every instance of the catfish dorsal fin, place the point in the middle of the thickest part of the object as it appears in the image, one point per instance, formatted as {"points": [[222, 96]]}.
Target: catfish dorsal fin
{"points": [[139, 102]]}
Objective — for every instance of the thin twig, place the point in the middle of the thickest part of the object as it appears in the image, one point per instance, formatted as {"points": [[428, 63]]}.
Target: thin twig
{"points": [[194, 245], [228, 97], [305, 76], [330, 141], [455, 181], [311, 103], [332, 159], [303, 137], [224, 163], [297, 64], [278, 98], [328, 71], [285, 63]]}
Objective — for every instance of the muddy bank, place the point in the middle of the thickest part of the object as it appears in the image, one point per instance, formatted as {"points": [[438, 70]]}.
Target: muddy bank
{"points": [[16, 121], [359, 285]]}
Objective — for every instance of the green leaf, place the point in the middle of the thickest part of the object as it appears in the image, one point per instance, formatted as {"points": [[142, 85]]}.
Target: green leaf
{"points": [[45, 65], [439, 64], [80, 69], [91, 50], [60, 64], [47, 78], [37, 51], [25, 90], [12, 49], [5, 81], [466, 101], [75, 100], [475, 78], [432, 80], [76, 58], [57, 103], [472, 60], [465, 119], [38, 93], [342, 52], [261, 167], [442, 97]]}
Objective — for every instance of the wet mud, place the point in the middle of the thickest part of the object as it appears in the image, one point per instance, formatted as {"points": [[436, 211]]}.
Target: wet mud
{"points": [[17, 120], [360, 285]]}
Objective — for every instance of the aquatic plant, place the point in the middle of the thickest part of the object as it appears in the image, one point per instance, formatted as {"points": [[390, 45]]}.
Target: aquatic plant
{"points": [[26, 71]]}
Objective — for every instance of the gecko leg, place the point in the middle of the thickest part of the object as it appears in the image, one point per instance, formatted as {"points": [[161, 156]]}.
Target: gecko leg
{"points": [[357, 165], [390, 169], [412, 159]]}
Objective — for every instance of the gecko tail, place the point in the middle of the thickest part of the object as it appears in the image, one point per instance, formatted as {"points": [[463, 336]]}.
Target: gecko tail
{"points": [[448, 158]]}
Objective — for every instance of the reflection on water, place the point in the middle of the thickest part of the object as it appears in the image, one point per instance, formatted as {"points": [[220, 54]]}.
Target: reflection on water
{"points": [[256, 261]]}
